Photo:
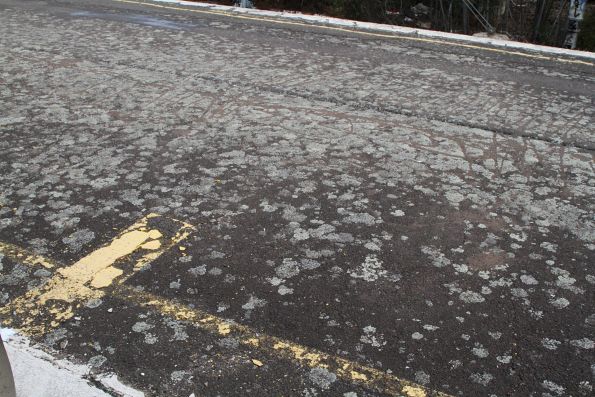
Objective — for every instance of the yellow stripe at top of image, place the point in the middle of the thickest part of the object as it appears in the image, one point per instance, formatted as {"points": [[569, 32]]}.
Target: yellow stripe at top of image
{"points": [[359, 32]]}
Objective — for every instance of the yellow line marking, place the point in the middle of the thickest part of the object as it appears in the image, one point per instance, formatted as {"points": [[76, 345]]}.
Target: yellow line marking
{"points": [[20, 255], [345, 369], [72, 286], [395, 36]]}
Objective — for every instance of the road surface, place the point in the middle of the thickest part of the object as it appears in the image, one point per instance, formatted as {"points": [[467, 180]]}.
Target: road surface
{"points": [[206, 203]]}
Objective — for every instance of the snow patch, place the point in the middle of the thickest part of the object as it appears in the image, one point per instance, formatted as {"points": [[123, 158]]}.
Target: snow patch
{"points": [[377, 27]]}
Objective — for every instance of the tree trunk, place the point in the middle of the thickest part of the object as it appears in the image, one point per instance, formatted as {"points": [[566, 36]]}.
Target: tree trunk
{"points": [[500, 14], [538, 18], [465, 19]]}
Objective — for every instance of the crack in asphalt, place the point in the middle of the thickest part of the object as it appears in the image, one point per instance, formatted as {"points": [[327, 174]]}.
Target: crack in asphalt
{"points": [[355, 105]]}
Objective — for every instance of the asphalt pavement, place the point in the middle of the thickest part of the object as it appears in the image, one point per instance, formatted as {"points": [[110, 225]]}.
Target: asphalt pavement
{"points": [[204, 203]]}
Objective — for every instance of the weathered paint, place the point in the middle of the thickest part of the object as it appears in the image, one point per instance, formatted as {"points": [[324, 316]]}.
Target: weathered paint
{"points": [[22, 256], [56, 301], [345, 369], [411, 391]]}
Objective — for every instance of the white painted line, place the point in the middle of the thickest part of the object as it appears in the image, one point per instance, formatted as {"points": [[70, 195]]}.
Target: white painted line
{"points": [[377, 27]]}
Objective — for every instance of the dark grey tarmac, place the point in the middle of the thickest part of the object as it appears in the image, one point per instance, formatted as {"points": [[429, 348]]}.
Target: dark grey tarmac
{"points": [[418, 210]]}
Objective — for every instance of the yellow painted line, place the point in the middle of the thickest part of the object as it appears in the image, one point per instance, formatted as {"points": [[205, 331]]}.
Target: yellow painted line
{"points": [[44, 308], [70, 287], [20, 255], [360, 32], [345, 369]]}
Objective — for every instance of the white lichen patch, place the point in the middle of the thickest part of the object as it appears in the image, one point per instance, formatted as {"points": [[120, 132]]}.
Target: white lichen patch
{"points": [[372, 269], [528, 279], [471, 297], [560, 303], [398, 213], [283, 290], [550, 344], [437, 257], [289, 268], [253, 303], [584, 343], [371, 338]]}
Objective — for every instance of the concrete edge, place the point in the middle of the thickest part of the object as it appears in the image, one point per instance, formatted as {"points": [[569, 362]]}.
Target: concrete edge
{"points": [[383, 28], [36, 369]]}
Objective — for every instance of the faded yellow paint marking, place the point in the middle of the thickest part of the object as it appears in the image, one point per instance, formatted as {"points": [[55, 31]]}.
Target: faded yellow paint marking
{"points": [[72, 286], [18, 254], [300, 353], [68, 289], [411, 391], [152, 245], [223, 329], [86, 268], [106, 277], [155, 234], [345, 369], [358, 376], [395, 36]]}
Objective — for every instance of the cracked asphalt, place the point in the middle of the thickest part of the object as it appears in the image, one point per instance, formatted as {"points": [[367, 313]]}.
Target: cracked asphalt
{"points": [[421, 209]]}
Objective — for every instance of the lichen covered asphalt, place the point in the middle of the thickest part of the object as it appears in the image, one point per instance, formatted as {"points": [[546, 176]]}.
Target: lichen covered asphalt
{"points": [[407, 213]]}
